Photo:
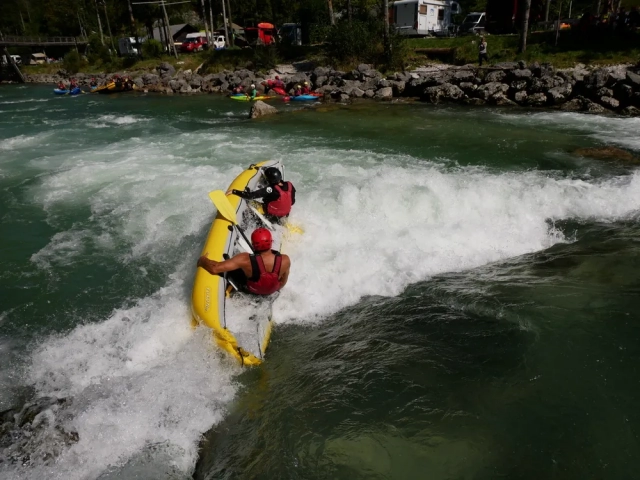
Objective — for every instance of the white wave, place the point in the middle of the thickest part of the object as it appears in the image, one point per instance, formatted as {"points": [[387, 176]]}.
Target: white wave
{"points": [[141, 377], [104, 121], [21, 141], [373, 231], [25, 100]]}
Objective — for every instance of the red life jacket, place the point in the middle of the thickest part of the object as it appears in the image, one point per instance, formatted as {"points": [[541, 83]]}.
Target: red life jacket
{"points": [[261, 281], [282, 206]]}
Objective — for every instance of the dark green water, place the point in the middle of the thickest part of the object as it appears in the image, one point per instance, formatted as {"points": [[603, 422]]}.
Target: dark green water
{"points": [[463, 304]]}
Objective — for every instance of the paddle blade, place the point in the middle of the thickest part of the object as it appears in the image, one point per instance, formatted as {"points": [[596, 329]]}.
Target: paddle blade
{"points": [[223, 205]]}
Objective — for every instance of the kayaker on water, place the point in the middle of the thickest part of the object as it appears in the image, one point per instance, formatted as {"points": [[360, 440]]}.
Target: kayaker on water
{"points": [[277, 83], [93, 83], [305, 89], [298, 91], [278, 197], [253, 93], [61, 85], [263, 273]]}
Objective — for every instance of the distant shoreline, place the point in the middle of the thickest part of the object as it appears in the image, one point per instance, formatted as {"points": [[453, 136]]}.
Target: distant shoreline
{"points": [[614, 89]]}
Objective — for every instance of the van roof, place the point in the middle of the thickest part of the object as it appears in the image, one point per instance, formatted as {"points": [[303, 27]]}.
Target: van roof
{"points": [[39, 55]]}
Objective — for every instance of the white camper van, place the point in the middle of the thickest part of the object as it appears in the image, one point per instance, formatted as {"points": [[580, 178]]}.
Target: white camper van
{"points": [[424, 17]]}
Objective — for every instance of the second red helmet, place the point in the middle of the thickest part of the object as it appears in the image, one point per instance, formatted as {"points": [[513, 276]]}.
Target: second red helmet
{"points": [[261, 239]]}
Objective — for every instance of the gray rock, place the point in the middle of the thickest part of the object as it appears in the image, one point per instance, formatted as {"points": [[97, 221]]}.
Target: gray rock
{"points": [[536, 100], [544, 83], [383, 83], [609, 102], [491, 89], [186, 89], [522, 73], [319, 81], [573, 105], [496, 76], [633, 79], [597, 79], [320, 72], [506, 65], [468, 87], [518, 85], [363, 67], [464, 76], [503, 101], [357, 92], [385, 93], [261, 109], [139, 82], [520, 97], [592, 107], [604, 92], [369, 93], [474, 101], [446, 91], [398, 87], [623, 91], [176, 85], [344, 97], [630, 111], [522, 64], [196, 81], [150, 79], [560, 94], [166, 69]]}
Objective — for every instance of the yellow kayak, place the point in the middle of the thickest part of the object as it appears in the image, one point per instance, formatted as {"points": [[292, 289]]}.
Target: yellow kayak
{"points": [[113, 87], [244, 98], [241, 323]]}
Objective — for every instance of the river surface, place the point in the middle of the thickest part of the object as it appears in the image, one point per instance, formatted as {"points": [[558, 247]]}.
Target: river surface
{"points": [[463, 303]]}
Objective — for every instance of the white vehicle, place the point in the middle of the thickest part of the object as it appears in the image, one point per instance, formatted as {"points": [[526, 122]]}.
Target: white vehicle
{"points": [[37, 59], [424, 17], [128, 45], [218, 42], [474, 23]]}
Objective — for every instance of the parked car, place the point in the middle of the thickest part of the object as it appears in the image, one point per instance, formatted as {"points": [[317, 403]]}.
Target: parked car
{"points": [[473, 24], [194, 42], [37, 59], [219, 42]]}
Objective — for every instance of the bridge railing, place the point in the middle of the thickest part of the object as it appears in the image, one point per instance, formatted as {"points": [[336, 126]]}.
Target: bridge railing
{"points": [[19, 40]]}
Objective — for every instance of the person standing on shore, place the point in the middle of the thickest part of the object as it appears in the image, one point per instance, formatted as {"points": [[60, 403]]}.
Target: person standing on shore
{"points": [[482, 51]]}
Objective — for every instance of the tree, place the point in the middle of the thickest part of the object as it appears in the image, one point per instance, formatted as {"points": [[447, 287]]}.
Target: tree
{"points": [[525, 26]]}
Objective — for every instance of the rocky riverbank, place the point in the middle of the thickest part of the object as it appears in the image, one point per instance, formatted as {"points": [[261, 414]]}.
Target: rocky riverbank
{"points": [[607, 89]]}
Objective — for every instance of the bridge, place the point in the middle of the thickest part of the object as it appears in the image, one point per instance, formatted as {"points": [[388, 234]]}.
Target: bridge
{"points": [[16, 41]]}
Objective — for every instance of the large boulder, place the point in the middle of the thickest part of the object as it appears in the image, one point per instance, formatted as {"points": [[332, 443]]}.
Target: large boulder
{"points": [[536, 99], [560, 94], [609, 102], [166, 69], [463, 76], [445, 91], [520, 97], [496, 76], [597, 79], [150, 79], [492, 89], [261, 109], [521, 73], [385, 93], [630, 111], [633, 79]]}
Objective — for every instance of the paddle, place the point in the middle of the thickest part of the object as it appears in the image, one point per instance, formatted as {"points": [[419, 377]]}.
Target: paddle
{"points": [[266, 222], [225, 209]]}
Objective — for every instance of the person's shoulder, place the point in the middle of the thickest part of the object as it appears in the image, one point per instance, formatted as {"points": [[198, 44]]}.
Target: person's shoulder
{"points": [[243, 256]]}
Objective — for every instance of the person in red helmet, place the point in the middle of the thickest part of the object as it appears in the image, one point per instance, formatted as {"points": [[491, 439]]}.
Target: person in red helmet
{"points": [[278, 197], [263, 273]]}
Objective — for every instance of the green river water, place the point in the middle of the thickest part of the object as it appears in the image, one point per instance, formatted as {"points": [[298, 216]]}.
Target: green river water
{"points": [[463, 303]]}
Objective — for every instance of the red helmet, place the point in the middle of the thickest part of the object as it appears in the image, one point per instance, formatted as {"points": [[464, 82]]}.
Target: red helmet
{"points": [[261, 240]]}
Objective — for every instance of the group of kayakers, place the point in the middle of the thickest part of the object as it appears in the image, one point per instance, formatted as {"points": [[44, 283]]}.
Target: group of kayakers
{"points": [[276, 86], [121, 82], [265, 271]]}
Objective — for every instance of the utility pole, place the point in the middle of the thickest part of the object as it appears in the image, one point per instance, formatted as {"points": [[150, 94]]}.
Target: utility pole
{"points": [[99, 23], [170, 37], [134, 30], [233, 34], [106, 15], [206, 26], [226, 30], [546, 13], [387, 41], [213, 28]]}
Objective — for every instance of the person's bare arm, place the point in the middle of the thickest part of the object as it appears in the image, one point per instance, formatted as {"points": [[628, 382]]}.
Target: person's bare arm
{"points": [[284, 271], [214, 268]]}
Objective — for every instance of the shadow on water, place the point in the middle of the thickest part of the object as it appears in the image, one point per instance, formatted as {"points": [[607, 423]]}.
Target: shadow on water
{"points": [[524, 369]]}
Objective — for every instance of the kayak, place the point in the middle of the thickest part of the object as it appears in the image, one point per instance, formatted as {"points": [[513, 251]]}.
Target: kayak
{"points": [[304, 98], [244, 98], [75, 91], [279, 91], [114, 87], [241, 322]]}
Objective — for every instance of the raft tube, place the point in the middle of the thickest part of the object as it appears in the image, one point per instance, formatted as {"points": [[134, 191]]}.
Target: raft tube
{"points": [[210, 297], [244, 98], [304, 98]]}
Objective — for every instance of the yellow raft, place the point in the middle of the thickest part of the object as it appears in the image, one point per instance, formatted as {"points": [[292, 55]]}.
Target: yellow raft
{"points": [[115, 87], [245, 340]]}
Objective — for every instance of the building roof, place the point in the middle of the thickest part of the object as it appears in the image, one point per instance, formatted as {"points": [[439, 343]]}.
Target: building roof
{"points": [[175, 30]]}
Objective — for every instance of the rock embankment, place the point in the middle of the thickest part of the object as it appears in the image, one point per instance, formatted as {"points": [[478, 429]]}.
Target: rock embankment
{"points": [[598, 90]]}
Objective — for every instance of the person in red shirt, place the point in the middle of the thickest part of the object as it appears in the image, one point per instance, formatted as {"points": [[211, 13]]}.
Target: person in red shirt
{"points": [[263, 273], [277, 198], [305, 89]]}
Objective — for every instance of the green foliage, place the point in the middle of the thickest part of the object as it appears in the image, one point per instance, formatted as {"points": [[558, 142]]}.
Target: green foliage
{"points": [[73, 62], [152, 49], [97, 53]]}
